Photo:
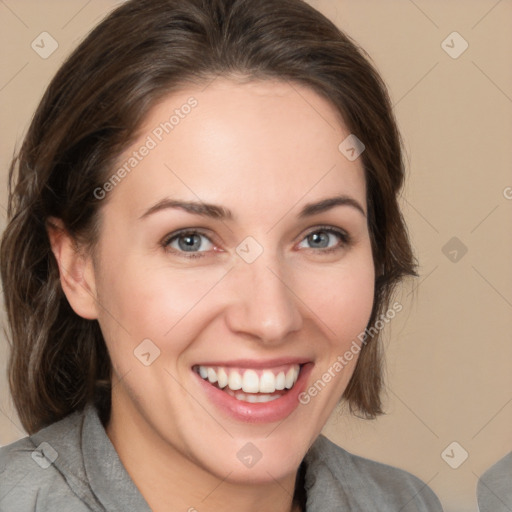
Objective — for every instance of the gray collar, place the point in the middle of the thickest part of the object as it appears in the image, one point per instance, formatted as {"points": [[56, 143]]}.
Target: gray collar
{"points": [[107, 476], [97, 476]]}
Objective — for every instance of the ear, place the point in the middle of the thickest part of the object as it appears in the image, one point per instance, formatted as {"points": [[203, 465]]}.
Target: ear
{"points": [[76, 270]]}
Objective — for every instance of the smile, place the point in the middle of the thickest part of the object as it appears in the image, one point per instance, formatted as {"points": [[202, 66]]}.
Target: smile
{"points": [[251, 385]]}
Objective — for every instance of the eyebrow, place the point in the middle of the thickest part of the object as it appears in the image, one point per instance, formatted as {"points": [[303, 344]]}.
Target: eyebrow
{"points": [[220, 212]]}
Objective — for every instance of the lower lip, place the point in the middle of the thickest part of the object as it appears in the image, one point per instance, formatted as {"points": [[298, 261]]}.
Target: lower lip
{"points": [[265, 412]]}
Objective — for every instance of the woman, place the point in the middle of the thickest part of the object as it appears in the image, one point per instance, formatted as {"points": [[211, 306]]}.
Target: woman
{"points": [[204, 236]]}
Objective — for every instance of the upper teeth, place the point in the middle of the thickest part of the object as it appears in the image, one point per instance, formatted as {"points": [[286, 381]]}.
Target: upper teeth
{"points": [[251, 381]]}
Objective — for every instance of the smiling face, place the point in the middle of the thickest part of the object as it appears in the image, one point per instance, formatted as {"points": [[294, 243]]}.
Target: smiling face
{"points": [[263, 289]]}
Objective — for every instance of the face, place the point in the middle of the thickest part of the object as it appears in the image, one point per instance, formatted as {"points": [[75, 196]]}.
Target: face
{"points": [[261, 290]]}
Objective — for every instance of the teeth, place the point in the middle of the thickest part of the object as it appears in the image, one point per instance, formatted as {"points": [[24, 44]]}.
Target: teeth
{"points": [[252, 398], [267, 382], [250, 381], [234, 381], [290, 378], [280, 381], [212, 376], [222, 377]]}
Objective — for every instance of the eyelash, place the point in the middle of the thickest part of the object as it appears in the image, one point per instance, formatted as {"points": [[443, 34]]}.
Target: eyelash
{"points": [[345, 240]]}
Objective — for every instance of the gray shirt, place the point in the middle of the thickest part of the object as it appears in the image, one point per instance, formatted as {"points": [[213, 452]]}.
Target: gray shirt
{"points": [[494, 490], [71, 466]]}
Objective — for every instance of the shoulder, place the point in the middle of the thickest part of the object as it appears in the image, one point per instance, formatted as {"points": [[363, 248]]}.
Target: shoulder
{"points": [[494, 491], [364, 484], [29, 472]]}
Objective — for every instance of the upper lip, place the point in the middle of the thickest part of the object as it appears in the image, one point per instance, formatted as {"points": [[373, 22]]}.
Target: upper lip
{"points": [[257, 363]]}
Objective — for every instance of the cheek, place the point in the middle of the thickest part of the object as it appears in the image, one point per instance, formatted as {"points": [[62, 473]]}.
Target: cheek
{"points": [[139, 301], [342, 300]]}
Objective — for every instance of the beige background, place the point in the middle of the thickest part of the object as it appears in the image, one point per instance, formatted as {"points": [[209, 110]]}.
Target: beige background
{"points": [[449, 352]]}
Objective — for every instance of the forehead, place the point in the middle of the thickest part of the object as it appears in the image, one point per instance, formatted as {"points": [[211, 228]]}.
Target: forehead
{"points": [[266, 142]]}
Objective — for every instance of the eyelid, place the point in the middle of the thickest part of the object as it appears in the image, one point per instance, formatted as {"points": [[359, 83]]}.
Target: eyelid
{"points": [[345, 237], [342, 233], [187, 231]]}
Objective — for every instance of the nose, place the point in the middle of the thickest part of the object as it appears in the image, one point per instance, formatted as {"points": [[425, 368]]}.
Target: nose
{"points": [[264, 303]]}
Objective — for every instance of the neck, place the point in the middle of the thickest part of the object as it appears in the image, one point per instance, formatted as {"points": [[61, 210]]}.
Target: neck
{"points": [[168, 480]]}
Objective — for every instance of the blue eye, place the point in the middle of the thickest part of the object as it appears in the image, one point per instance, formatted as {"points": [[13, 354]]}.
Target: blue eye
{"points": [[321, 237], [188, 243]]}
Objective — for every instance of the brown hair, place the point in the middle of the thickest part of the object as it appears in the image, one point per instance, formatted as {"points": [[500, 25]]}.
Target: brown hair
{"points": [[90, 114]]}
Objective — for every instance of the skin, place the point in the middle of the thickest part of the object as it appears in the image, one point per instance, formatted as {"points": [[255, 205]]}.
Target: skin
{"points": [[264, 150]]}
